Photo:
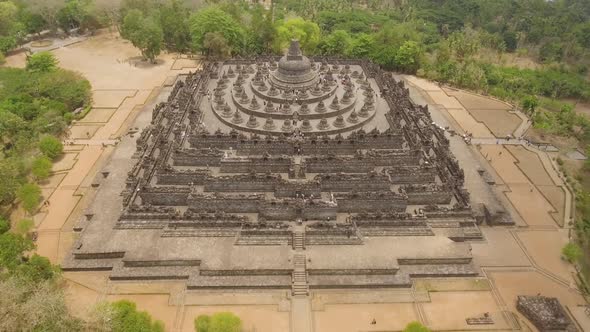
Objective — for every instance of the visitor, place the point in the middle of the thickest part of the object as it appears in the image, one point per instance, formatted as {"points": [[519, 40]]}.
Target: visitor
{"points": [[373, 322]]}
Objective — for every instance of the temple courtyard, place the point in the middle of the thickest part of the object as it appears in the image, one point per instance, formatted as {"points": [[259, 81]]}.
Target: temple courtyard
{"points": [[214, 208]]}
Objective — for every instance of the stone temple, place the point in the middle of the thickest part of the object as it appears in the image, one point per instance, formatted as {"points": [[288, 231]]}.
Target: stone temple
{"points": [[289, 173]]}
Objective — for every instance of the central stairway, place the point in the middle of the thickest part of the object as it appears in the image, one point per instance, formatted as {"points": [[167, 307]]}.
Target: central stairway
{"points": [[299, 284], [299, 280], [298, 240]]}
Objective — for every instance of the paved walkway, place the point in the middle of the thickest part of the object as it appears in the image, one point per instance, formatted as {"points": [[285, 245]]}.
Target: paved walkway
{"points": [[87, 142], [524, 125], [301, 316]]}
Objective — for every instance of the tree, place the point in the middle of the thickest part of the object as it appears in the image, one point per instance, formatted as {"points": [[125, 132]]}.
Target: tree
{"points": [[510, 40], [175, 27], [36, 270], [47, 9], [146, 7], [385, 56], [34, 23], [572, 252], [215, 45], [551, 51], [6, 44], [34, 306], [213, 19], [72, 14], [218, 322], [41, 62], [144, 33], [361, 46], [24, 226], [151, 37], [307, 32], [335, 43], [131, 24], [4, 225], [30, 196], [464, 44], [41, 167], [8, 17], [12, 248], [66, 87], [123, 316], [50, 146], [529, 104], [407, 58], [262, 30], [415, 327], [10, 179]]}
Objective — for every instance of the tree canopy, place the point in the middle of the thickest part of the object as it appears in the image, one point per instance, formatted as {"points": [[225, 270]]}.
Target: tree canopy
{"points": [[214, 20], [144, 32], [307, 32]]}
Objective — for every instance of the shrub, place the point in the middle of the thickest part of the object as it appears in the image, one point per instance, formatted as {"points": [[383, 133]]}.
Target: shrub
{"points": [[202, 323], [41, 167], [4, 226], [50, 146], [416, 327], [572, 252], [30, 196], [37, 269], [42, 62], [219, 322], [126, 318], [24, 226]]}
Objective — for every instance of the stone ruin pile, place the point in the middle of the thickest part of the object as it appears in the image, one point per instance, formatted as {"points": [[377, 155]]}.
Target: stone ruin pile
{"points": [[546, 313]]}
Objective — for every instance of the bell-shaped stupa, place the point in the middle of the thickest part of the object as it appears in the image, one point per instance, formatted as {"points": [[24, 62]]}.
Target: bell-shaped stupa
{"points": [[294, 71]]}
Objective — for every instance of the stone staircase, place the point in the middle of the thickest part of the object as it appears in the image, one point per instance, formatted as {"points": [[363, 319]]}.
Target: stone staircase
{"points": [[299, 280], [298, 240]]}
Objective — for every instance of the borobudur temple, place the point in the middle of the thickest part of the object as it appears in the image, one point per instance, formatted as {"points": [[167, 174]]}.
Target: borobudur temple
{"points": [[288, 172]]}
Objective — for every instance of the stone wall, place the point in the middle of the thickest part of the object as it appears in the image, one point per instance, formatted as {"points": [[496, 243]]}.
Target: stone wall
{"points": [[256, 164], [197, 157], [176, 177], [370, 202], [171, 196], [225, 203]]}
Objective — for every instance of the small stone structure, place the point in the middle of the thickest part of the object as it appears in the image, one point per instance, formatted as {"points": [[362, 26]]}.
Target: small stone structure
{"points": [[546, 313]]}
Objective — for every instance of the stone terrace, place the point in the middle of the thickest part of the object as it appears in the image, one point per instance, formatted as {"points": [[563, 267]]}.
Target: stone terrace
{"points": [[342, 182]]}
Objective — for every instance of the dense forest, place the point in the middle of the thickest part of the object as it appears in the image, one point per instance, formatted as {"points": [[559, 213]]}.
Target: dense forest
{"points": [[532, 53]]}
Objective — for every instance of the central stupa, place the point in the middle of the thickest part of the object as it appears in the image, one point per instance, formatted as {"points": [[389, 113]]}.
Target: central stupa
{"points": [[294, 71]]}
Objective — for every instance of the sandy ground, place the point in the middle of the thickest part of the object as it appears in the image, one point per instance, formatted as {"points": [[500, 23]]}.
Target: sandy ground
{"points": [[472, 304], [492, 113], [517, 261], [526, 198], [358, 317]]}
